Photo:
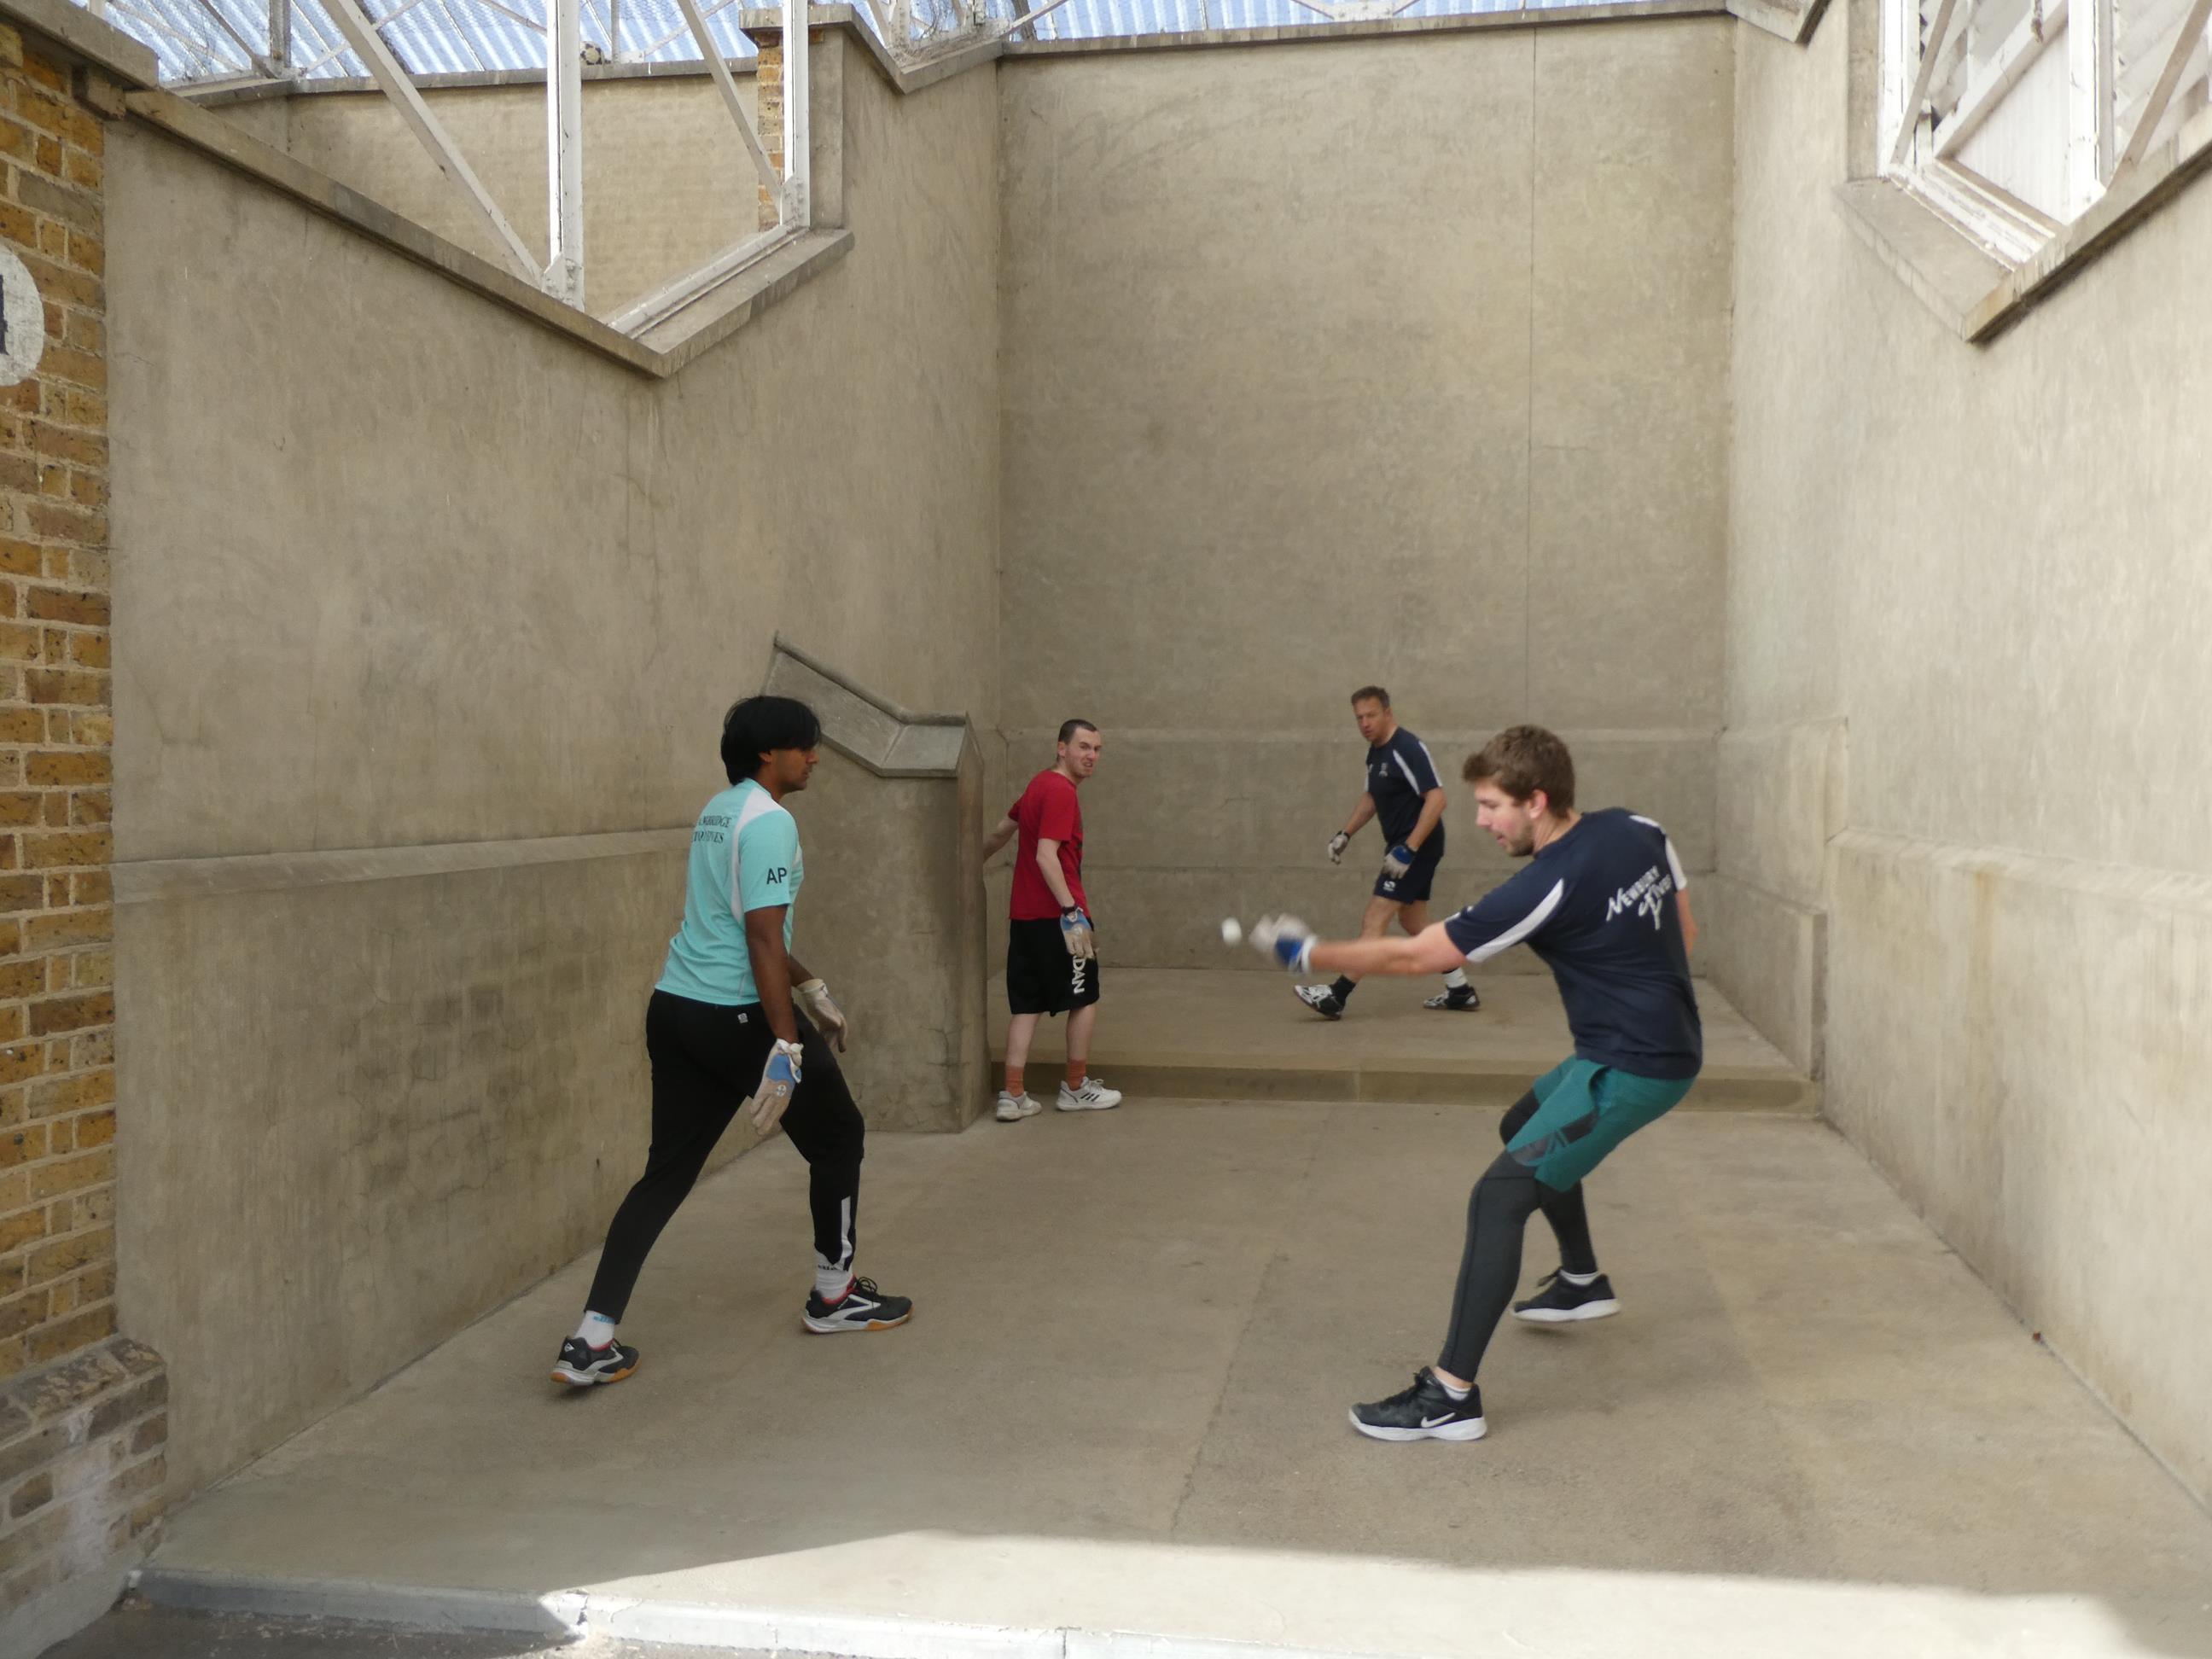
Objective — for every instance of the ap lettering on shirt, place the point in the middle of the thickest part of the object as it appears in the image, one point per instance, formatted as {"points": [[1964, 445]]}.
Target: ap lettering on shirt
{"points": [[744, 856]]}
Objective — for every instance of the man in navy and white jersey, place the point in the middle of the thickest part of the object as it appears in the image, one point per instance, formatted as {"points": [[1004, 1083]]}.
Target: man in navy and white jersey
{"points": [[1405, 794], [1604, 902]]}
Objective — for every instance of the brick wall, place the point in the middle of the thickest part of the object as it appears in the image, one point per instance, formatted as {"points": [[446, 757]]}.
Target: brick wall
{"points": [[82, 1422], [768, 111], [768, 105]]}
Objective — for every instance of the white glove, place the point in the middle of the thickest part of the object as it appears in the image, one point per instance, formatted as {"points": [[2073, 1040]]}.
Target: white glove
{"points": [[1337, 843], [1284, 940], [778, 1082], [1397, 861], [1075, 933], [821, 1008]]}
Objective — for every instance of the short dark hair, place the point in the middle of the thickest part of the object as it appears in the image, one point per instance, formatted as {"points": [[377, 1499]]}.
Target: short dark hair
{"points": [[756, 725], [1370, 692], [1523, 759], [1069, 729]]}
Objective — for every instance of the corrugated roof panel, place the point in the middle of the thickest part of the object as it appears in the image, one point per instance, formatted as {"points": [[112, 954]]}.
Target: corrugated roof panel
{"points": [[452, 37]]}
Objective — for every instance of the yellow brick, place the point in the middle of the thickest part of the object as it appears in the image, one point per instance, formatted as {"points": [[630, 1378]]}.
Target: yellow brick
{"points": [[73, 1013], [72, 847], [61, 1176], [80, 1332], [25, 1146], [73, 1094], [58, 1258]]}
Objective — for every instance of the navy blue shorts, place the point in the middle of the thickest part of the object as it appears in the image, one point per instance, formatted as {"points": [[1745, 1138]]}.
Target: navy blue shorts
{"points": [[1412, 887]]}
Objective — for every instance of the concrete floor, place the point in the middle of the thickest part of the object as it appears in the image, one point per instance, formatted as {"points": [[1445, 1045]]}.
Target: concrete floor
{"points": [[1120, 1409]]}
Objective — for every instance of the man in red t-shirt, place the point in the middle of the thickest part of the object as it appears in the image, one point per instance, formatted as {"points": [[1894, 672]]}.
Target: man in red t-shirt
{"points": [[1052, 955]]}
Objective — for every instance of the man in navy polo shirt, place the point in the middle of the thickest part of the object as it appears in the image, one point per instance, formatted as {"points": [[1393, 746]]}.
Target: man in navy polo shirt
{"points": [[1603, 902], [1404, 794]]}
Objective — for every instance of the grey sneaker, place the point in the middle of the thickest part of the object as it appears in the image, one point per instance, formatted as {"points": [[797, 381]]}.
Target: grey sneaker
{"points": [[1012, 1108], [1093, 1096]]}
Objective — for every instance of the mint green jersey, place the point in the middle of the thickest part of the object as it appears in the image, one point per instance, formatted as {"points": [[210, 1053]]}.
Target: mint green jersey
{"points": [[744, 856]]}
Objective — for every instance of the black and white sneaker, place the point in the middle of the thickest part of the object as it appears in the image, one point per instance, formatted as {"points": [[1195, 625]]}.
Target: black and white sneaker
{"points": [[583, 1366], [1456, 996], [1322, 1001], [1557, 1302], [1424, 1412], [862, 1308]]}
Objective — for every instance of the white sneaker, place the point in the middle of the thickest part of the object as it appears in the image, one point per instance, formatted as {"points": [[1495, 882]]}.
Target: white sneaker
{"points": [[1013, 1108], [1093, 1096]]}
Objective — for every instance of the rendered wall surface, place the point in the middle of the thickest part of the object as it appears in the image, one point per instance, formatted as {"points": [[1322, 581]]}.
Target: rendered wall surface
{"points": [[428, 621], [1395, 360], [1989, 566]]}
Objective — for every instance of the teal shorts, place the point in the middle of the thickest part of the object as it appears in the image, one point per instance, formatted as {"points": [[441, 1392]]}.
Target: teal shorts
{"points": [[1583, 1111]]}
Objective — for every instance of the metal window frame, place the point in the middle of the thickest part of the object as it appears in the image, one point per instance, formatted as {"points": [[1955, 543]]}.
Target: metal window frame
{"points": [[1920, 148]]}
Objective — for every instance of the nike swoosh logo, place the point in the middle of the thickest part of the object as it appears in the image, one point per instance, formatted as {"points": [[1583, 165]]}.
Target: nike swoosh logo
{"points": [[1432, 1422]]}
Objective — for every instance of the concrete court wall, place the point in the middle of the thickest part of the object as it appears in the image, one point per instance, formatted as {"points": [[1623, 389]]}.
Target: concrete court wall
{"points": [[427, 619], [1400, 361], [667, 183], [1986, 565]]}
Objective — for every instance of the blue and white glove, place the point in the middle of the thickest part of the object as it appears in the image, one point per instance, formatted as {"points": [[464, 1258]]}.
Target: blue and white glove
{"points": [[1075, 933], [821, 1008], [1397, 860], [1284, 940], [1337, 843], [778, 1082]]}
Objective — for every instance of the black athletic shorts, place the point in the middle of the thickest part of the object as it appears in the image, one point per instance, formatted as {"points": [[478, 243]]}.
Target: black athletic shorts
{"points": [[1412, 887], [1041, 978]]}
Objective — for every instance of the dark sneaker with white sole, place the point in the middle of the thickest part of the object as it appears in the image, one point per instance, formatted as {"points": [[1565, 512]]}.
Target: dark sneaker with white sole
{"points": [[1559, 1303], [862, 1308], [1424, 1412], [1322, 1001], [580, 1365], [1454, 996]]}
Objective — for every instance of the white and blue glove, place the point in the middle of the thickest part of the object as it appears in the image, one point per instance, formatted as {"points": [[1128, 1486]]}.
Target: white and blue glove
{"points": [[821, 1008], [1285, 941], [1337, 843], [778, 1082], [1397, 860], [1076, 934]]}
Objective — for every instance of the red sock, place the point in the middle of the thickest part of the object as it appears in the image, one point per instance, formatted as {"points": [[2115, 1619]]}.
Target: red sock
{"points": [[1014, 1081], [1076, 1074]]}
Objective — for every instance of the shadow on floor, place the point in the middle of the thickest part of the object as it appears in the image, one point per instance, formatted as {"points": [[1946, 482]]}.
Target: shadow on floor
{"points": [[1121, 1408]]}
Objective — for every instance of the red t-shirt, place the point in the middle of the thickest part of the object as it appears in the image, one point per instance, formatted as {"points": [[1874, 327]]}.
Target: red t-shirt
{"points": [[1047, 811]]}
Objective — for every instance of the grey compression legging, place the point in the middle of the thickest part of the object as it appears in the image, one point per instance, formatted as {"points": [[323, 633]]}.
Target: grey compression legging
{"points": [[1497, 1213]]}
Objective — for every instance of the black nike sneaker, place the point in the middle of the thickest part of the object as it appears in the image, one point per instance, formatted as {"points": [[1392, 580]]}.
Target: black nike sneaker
{"points": [[1454, 996], [1424, 1412], [582, 1366], [1559, 1303], [862, 1308], [1322, 1001]]}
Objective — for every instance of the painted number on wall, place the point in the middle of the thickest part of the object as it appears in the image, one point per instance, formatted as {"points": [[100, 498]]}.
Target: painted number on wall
{"points": [[22, 321]]}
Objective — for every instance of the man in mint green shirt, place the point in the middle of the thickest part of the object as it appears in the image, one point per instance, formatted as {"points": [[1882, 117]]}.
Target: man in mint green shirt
{"points": [[737, 1017]]}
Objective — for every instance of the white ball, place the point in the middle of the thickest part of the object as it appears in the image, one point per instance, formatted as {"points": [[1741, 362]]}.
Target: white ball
{"points": [[1232, 932]]}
